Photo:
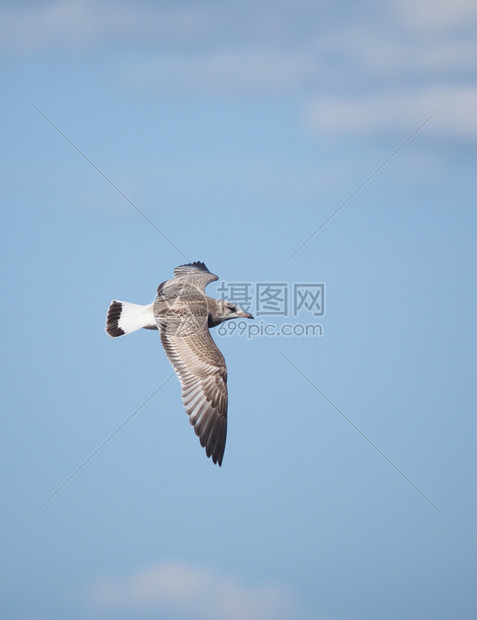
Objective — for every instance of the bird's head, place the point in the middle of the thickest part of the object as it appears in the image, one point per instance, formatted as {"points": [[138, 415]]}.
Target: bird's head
{"points": [[232, 310]]}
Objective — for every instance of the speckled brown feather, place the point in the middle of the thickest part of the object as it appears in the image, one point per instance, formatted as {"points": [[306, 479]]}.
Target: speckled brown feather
{"points": [[181, 311]]}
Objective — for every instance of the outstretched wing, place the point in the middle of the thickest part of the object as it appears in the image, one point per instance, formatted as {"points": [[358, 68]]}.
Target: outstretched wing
{"points": [[203, 375], [195, 274]]}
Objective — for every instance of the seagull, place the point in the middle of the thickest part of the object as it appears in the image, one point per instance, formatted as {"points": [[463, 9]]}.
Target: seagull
{"points": [[183, 314]]}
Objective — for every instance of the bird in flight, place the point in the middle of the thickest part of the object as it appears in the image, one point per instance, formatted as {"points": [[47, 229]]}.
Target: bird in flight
{"points": [[183, 314]]}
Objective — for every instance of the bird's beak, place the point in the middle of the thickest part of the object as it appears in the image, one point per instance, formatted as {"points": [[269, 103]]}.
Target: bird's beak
{"points": [[246, 315]]}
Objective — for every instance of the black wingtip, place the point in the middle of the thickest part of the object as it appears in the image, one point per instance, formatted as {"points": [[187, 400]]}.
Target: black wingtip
{"points": [[212, 439], [216, 458], [198, 265]]}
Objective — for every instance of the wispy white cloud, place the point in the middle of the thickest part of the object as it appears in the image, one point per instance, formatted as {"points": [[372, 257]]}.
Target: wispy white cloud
{"points": [[198, 593], [86, 25], [224, 72], [322, 26], [434, 16], [376, 68], [399, 112]]}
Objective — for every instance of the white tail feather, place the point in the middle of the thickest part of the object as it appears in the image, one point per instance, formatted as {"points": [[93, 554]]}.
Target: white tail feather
{"points": [[124, 318]]}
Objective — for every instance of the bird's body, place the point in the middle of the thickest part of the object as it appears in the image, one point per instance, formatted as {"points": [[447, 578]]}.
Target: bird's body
{"points": [[183, 314]]}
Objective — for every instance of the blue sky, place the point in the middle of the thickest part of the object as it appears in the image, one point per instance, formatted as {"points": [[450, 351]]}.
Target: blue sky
{"points": [[237, 129]]}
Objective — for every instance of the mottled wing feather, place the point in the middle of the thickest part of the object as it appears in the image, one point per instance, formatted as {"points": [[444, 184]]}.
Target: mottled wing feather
{"points": [[203, 375], [195, 274]]}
